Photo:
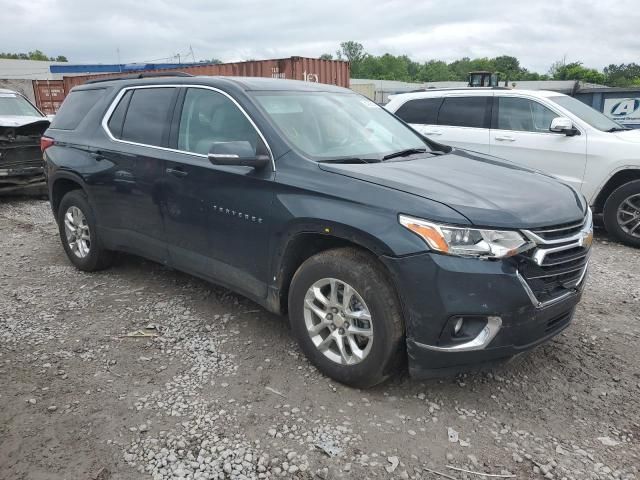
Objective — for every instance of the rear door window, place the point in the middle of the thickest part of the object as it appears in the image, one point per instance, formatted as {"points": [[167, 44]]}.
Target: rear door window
{"points": [[465, 112], [75, 107], [420, 111], [147, 117]]}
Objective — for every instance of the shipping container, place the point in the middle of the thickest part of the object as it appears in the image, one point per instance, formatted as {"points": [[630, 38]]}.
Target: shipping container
{"points": [[334, 72], [49, 95]]}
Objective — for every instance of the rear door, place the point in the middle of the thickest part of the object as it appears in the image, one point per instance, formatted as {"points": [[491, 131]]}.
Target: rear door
{"points": [[464, 121], [217, 216], [138, 125], [520, 133]]}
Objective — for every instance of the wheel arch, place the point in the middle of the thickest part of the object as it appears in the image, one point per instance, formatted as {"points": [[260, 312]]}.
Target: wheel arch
{"points": [[61, 185], [618, 179], [303, 244]]}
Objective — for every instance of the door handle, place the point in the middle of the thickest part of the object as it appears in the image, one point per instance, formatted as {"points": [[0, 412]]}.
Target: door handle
{"points": [[178, 172], [433, 133], [505, 139], [97, 155]]}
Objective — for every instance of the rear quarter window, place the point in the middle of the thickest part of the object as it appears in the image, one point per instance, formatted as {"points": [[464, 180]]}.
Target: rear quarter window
{"points": [[421, 111], [465, 112], [75, 107]]}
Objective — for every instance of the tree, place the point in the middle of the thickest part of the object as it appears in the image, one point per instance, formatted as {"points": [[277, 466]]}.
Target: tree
{"points": [[434, 71], [352, 51], [623, 75], [34, 55], [575, 71], [326, 56], [215, 61]]}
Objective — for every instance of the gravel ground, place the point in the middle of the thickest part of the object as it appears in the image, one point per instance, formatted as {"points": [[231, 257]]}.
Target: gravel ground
{"points": [[224, 392]]}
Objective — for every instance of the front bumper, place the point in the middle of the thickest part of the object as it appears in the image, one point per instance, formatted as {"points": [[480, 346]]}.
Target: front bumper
{"points": [[434, 289]]}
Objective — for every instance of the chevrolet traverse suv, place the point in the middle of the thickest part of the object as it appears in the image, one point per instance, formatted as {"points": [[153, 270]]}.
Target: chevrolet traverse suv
{"points": [[382, 246]]}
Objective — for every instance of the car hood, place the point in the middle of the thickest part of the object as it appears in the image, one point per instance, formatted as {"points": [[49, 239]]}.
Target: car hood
{"points": [[13, 126], [486, 190], [629, 135], [20, 120]]}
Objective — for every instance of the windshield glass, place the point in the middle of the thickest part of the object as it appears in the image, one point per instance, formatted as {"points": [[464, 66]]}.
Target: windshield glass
{"points": [[12, 104], [586, 113], [325, 125]]}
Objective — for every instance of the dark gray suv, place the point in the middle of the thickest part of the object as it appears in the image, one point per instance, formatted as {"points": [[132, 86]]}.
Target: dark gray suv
{"points": [[381, 245]]}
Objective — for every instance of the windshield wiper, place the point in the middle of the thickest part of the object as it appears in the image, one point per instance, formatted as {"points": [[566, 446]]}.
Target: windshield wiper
{"points": [[404, 153], [351, 160], [618, 129]]}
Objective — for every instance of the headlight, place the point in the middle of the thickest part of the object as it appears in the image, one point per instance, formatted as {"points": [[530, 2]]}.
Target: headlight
{"points": [[469, 242]]}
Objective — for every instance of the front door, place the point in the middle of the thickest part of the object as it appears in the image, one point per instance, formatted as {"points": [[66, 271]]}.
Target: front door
{"points": [[216, 217], [520, 133]]}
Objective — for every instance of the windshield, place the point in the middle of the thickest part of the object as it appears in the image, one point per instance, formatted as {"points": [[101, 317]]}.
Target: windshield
{"points": [[586, 113], [13, 104], [326, 126]]}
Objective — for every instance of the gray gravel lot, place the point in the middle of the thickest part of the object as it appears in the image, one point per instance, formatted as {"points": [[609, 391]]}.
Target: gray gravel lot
{"points": [[224, 391]]}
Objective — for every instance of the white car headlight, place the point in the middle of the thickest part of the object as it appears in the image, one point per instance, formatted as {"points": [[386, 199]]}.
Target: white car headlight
{"points": [[467, 242]]}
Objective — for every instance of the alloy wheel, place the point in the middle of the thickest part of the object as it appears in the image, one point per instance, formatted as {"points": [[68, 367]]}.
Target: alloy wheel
{"points": [[629, 215], [338, 321], [76, 229]]}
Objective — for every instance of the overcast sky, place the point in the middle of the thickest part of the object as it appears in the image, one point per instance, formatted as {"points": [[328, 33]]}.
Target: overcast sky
{"points": [[537, 32]]}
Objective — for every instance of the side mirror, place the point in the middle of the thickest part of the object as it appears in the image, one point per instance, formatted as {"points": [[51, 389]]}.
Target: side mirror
{"points": [[563, 125], [236, 153]]}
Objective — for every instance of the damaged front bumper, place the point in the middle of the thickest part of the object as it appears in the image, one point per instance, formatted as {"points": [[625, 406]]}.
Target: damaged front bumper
{"points": [[486, 299], [21, 163]]}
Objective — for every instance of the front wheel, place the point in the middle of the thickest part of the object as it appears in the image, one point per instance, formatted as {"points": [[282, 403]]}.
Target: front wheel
{"points": [[622, 213], [346, 316]]}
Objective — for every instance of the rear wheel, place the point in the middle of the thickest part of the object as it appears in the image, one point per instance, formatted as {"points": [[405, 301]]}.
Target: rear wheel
{"points": [[622, 213], [78, 233], [346, 316]]}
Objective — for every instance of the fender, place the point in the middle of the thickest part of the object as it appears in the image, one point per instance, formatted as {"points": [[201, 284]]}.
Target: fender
{"points": [[595, 198], [59, 174]]}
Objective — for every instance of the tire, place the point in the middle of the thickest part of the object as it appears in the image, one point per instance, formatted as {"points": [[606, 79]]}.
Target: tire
{"points": [[93, 256], [614, 217], [383, 353]]}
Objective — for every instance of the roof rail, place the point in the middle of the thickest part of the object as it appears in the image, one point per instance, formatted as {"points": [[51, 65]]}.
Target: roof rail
{"points": [[140, 75]]}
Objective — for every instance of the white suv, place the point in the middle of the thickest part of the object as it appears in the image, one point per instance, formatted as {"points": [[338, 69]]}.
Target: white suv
{"points": [[541, 130]]}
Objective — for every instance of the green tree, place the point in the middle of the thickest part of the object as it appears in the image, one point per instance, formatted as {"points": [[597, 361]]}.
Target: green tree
{"points": [[576, 71], [34, 55], [434, 71], [38, 55], [352, 51], [623, 75], [326, 56]]}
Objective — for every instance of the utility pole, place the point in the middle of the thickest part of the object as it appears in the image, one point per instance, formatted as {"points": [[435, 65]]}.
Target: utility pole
{"points": [[193, 57], [119, 64]]}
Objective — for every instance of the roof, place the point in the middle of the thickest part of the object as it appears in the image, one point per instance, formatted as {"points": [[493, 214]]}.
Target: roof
{"points": [[243, 83], [6, 90]]}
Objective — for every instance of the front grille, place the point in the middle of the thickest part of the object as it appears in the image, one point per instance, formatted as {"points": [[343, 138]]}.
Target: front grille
{"points": [[20, 156], [558, 263], [556, 232]]}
